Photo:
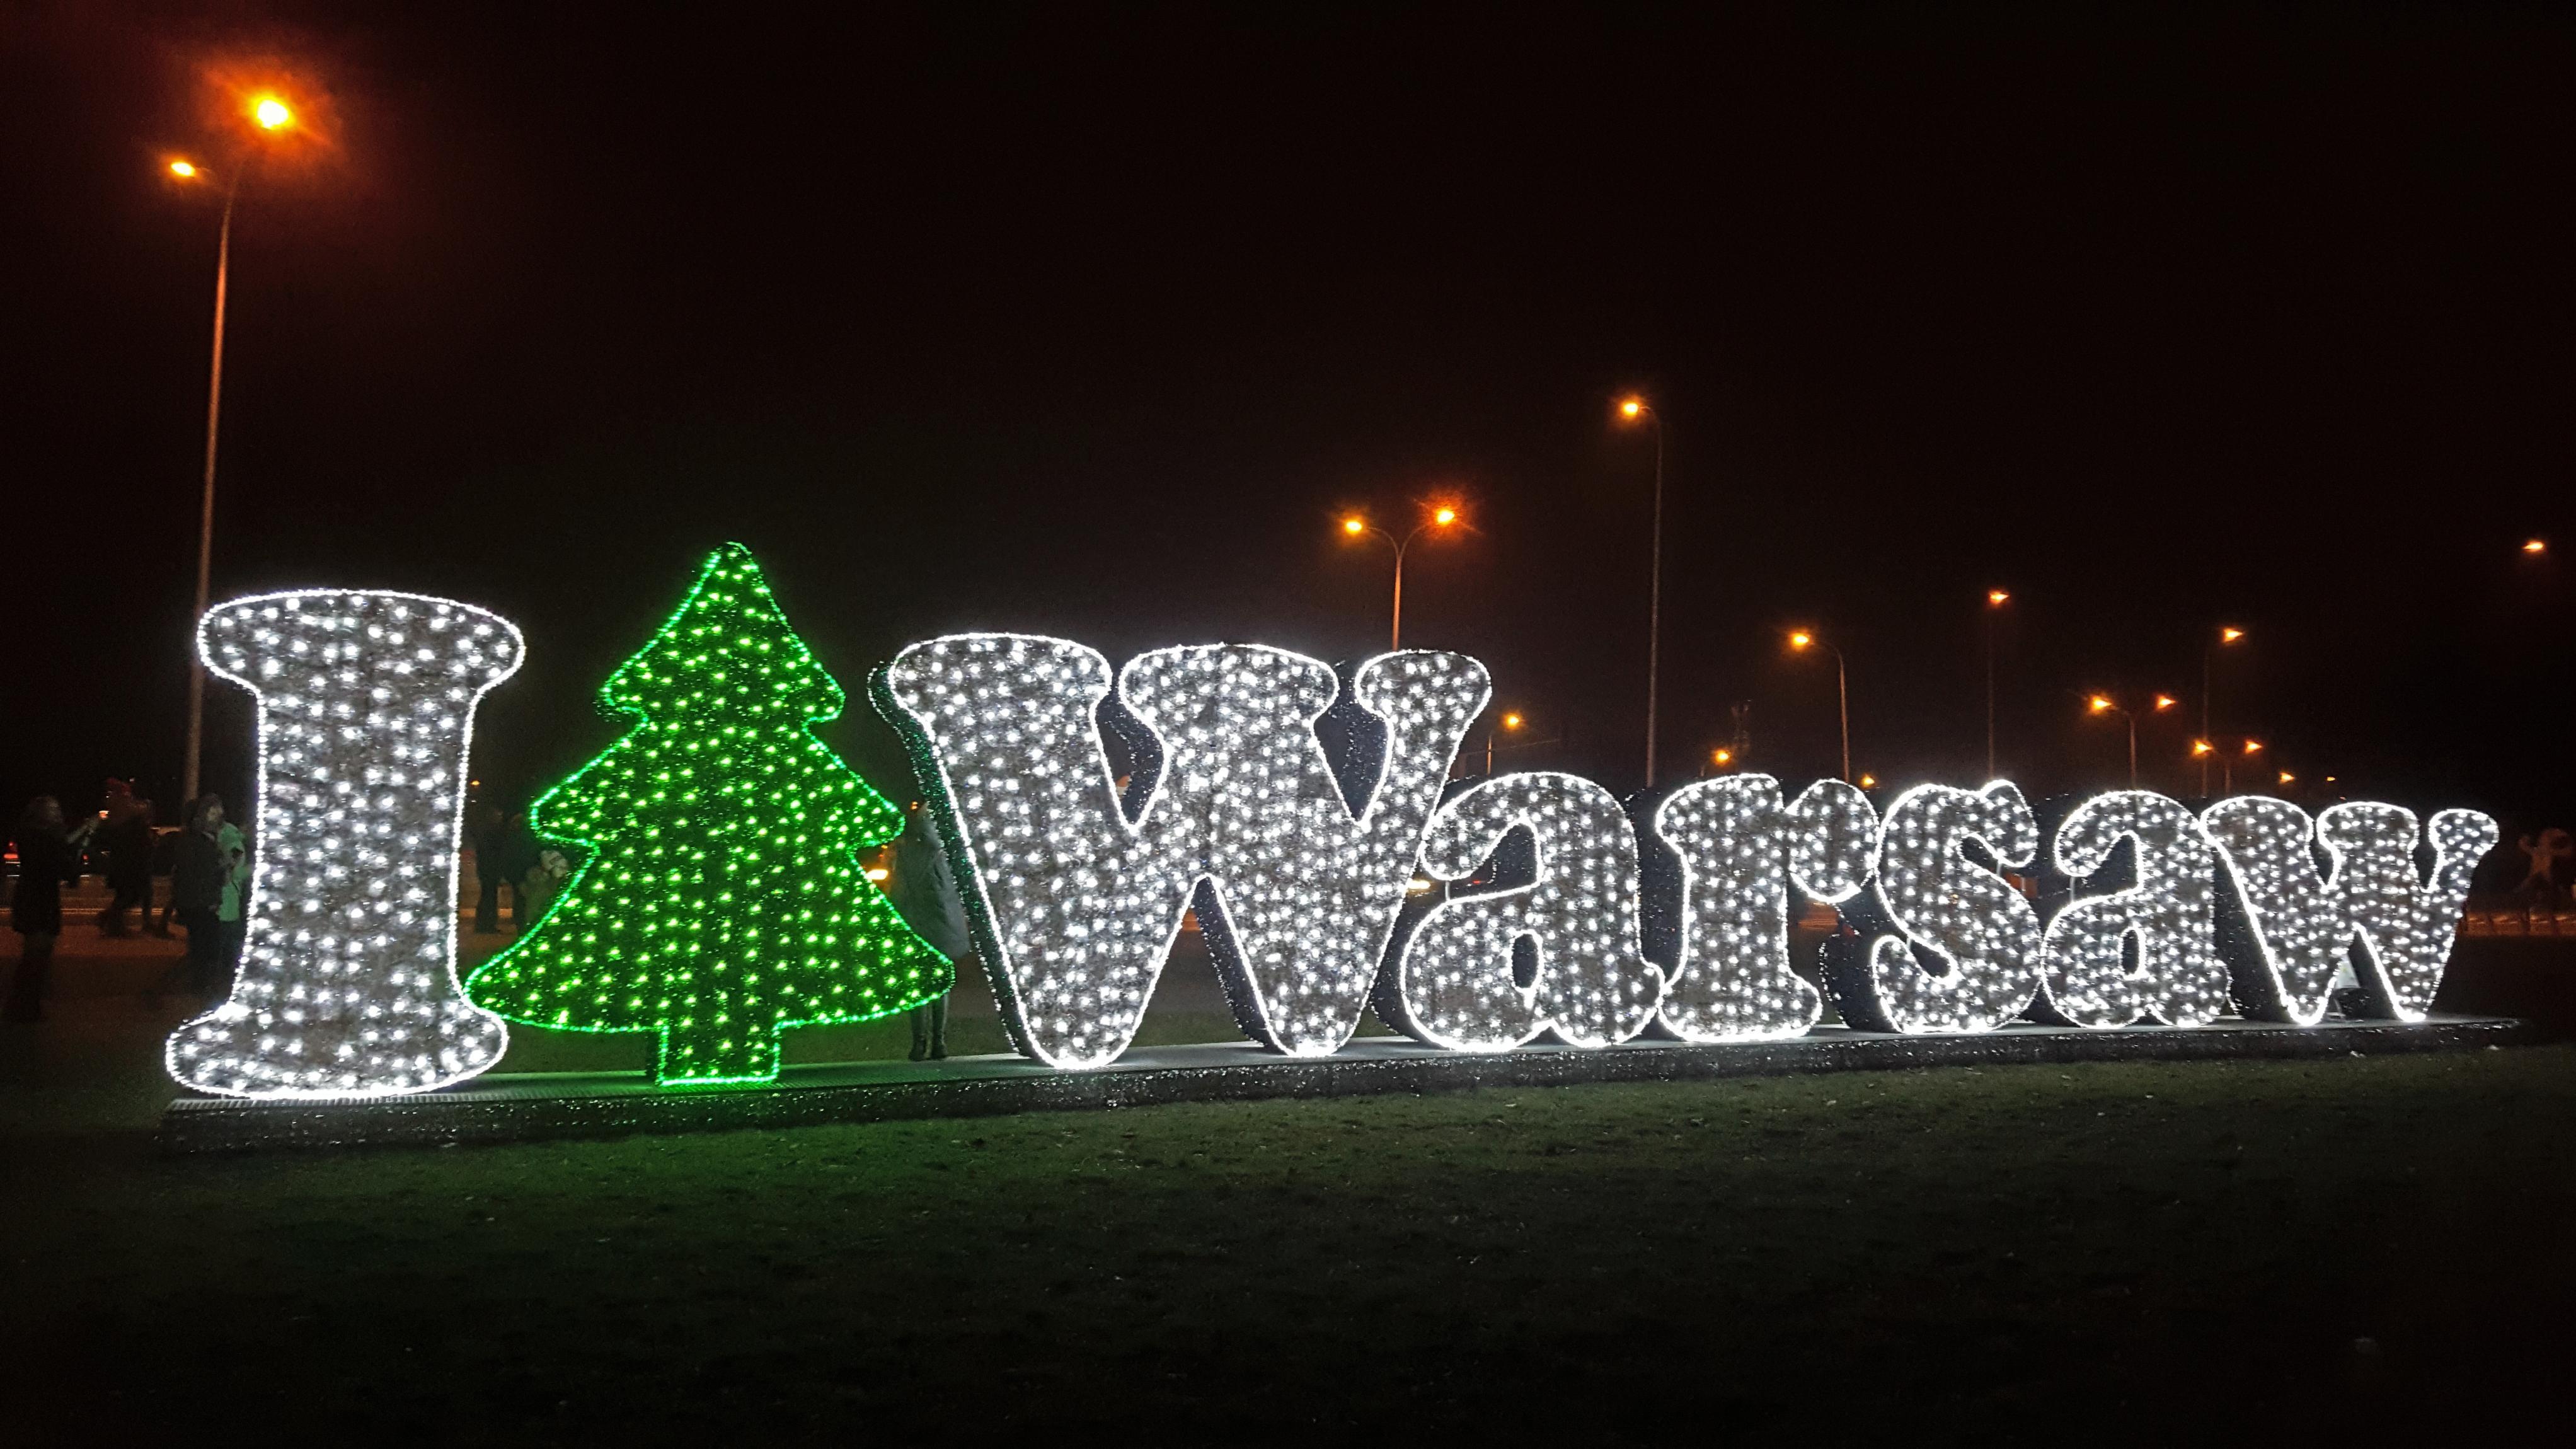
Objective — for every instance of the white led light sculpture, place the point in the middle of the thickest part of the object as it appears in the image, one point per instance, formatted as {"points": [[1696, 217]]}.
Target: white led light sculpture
{"points": [[366, 717], [1739, 848], [2306, 923], [1455, 984], [1931, 900], [2170, 913], [1075, 906]]}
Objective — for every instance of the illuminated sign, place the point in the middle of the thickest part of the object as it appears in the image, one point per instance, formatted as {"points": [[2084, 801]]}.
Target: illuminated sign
{"points": [[1086, 809]]}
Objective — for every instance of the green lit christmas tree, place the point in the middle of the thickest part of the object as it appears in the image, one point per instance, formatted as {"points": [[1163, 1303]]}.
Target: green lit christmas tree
{"points": [[721, 899]]}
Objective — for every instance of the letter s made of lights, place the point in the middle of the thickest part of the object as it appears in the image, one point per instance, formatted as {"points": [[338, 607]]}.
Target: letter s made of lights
{"points": [[1457, 981], [1946, 944], [2370, 908], [2169, 911], [1075, 904], [348, 976]]}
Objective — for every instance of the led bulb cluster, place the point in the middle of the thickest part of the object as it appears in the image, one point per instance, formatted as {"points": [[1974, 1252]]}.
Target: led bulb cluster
{"points": [[2370, 907], [1931, 901], [1075, 906], [347, 984], [1456, 984], [721, 900], [1739, 848], [2168, 914]]}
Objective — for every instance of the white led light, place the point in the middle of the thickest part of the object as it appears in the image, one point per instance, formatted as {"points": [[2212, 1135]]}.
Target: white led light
{"points": [[1075, 907], [1739, 847], [1948, 944], [1456, 982], [2370, 907], [366, 709], [2169, 913]]}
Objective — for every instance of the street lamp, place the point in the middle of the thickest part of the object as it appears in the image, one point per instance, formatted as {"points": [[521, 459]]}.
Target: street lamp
{"points": [[1441, 516], [2104, 704], [1802, 640], [1510, 721], [271, 115], [1995, 601], [2535, 545], [2227, 634], [1634, 410]]}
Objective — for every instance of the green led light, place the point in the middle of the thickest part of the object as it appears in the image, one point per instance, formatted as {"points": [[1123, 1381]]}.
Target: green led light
{"points": [[721, 900]]}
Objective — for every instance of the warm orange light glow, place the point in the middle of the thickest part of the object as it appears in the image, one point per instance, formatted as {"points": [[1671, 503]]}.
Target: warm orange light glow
{"points": [[183, 169], [2166, 701], [1444, 516], [1632, 408], [2230, 636], [1869, 782], [2535, 545], [1800, 639], [2098, 703], [2287, 777], [2253, 747], [1511, 721], [1355, 526], [879, 874], [1997, 598], [1722, 756], [270, 112], [2202, 747]]}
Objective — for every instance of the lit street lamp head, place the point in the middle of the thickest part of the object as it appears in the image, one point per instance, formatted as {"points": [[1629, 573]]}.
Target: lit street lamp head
{"points": [[184, 170], [2253, 747], [271, 113], [2535, 545], [1800, 639], [1511, 721], [1997, 598], [2229, 635], [2166, 701], [1633, 408], [1444, 516], [2202, 747], [2098, 703], [1355, 526]]}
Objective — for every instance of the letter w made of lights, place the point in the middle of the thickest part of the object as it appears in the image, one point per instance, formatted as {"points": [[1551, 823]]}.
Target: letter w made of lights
{"points": [[1298, 861]]}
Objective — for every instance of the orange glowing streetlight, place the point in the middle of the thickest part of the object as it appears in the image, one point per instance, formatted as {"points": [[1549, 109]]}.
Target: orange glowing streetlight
{"points": [[2105, 704], [2201, 749], [1995, 601], [2287, 778], [1869, 782], [1802, 640], [1441, 516], [2535, 545], [2165, 702], [1721, 757], [2227, 634], [2253, 747], [271, 115], [1635, 409]]}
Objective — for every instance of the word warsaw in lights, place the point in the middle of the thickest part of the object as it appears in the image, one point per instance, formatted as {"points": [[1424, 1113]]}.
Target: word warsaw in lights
{"points": [[1304, 814]]}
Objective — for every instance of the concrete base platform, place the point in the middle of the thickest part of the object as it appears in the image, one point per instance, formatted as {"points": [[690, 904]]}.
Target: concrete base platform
{"points": [[554, 1105]]}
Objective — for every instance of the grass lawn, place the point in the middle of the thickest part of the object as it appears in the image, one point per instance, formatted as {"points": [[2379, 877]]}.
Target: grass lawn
{"points": [[2349, 1249]]}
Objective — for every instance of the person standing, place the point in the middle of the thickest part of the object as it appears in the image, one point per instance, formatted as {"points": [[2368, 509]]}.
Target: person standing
{"points": [[48, 857], [125, 830], [231, 922], [925, 891], [197, 885]]}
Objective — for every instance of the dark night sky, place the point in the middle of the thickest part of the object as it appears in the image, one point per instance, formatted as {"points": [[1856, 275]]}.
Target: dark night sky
{"points": [[1087, 321]]}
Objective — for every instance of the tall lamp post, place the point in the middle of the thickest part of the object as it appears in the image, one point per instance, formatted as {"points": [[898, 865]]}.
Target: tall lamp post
{"points": [[2104, 704], [2227, 634], [270, 115], [1443, 516], [1995, 601], [1636, 410], [1804, 639]]}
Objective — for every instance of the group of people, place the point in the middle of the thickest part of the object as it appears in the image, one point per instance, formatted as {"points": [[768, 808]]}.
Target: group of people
{"points": [[507, 853], [209, 885]]}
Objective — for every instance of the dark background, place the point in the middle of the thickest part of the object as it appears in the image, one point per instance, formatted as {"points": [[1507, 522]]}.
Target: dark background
{"points": [[1090, 321]]}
